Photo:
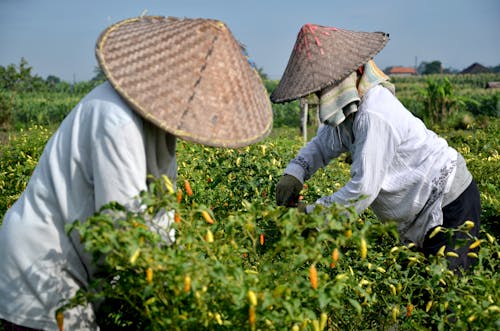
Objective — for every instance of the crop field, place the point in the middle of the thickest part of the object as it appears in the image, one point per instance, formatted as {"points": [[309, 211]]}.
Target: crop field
{"points": [[242, 263]]}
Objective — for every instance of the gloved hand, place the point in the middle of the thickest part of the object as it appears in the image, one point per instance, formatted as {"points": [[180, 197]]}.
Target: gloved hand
{"points": [[301, 207], [287, 191]]}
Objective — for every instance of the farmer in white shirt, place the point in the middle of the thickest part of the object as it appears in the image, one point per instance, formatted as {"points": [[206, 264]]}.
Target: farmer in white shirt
{"points": [[160, 87], [402, 170]]}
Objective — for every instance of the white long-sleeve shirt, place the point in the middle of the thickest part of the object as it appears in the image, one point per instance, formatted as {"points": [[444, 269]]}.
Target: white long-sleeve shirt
{"points": [[102, 152], [400, 169]]}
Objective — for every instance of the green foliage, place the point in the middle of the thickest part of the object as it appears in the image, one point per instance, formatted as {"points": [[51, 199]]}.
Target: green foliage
{"points": [[439, 100], [429, 68], [286, 114], [394, 285], [6, 105], [204, 280], [480, 149], [18, 159], [46, 109]]}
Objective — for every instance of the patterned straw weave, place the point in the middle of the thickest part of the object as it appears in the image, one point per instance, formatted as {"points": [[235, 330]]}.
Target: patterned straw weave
{"points": [[323, 56], [187, 76]]}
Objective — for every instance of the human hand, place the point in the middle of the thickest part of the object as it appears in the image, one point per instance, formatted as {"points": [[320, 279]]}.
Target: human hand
{"points": [[162, 224], [287, 191]]}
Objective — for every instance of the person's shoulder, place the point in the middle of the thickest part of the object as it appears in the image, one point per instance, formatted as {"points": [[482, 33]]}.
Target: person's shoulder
{"points": [[104, 93], [108, 108], [378, 93]]}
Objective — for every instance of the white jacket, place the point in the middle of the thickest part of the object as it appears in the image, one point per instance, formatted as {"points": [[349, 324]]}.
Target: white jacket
{"points": [[102, 152], [400, 169]]}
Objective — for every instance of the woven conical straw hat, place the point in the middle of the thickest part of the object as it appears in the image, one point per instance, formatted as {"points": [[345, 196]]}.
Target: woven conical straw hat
{"points": [[324, 56], [187, 76]]}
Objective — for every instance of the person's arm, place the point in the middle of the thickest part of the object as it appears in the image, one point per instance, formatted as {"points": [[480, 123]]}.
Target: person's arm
{"points": [[119, 164], [317, 153], [374, 149], [324, 147]]}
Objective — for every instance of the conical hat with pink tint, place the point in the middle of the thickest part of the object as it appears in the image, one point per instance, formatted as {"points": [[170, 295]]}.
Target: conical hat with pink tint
{"points": [[324, 56]]}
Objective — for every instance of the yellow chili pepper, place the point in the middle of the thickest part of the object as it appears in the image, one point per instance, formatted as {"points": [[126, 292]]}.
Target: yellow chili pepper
{"points": [[218, 318], [491, 239], [468, 225], [168, 184], [363, 248], [134, 256], [315, 324], [440, 252], [428, 306], [149, 275], [322, 321], [393, 289], [207, 217], [209, 237], [475, 244], [395, 313], [252, 297], [434, 232]]}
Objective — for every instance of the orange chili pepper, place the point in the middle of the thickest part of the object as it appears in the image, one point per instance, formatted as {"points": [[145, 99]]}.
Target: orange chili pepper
{"points": [[60, 320], [187, 186], [313, 276], [251, 316], [262, 239], [187, 284], [335, 255], [409, 310], [179, 196]]}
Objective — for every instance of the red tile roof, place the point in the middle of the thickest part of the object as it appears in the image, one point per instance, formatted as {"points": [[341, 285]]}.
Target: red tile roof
{"points": [[402, 70]]}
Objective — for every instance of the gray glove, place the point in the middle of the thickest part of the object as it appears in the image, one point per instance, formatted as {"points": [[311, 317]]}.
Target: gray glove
{"points": [[287, 191]]}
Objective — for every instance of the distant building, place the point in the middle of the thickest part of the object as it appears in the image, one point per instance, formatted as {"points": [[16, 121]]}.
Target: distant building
{"points": [[402, 71], [475, 68], [491, 85]]}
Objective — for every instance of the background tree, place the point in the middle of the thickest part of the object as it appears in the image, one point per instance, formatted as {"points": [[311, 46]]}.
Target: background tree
{"points": [[98, 75], [429, 68], [52, 80]]}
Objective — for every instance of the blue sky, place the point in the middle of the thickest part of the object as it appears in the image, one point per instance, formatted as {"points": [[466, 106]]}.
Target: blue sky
{"points": [[57, 37]]}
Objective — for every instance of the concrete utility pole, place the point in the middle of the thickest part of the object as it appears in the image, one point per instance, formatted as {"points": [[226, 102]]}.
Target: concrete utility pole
{"points": [[304, 109]]}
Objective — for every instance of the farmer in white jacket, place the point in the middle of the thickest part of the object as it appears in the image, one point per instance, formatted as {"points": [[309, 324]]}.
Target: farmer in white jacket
{"points": [[402, 170], [160, 87]]}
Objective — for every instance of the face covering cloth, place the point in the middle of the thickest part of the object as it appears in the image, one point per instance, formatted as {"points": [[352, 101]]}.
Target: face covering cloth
{"points": [[339, 101]]}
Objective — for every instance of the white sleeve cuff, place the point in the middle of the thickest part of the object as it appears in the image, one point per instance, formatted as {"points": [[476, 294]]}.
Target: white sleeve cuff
{"points": [[296, 171]]}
